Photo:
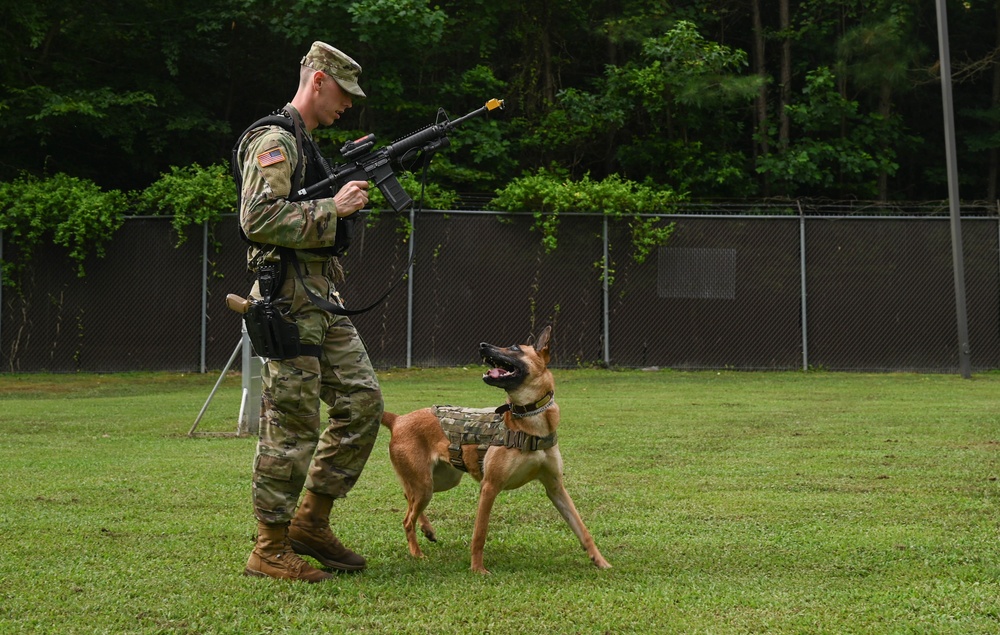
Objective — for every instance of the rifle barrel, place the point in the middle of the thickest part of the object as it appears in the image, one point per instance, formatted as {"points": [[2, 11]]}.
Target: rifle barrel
{"points": [[395, 150]]}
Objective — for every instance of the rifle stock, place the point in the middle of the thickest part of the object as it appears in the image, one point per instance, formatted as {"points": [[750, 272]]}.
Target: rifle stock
{"points": [[377, 166]]}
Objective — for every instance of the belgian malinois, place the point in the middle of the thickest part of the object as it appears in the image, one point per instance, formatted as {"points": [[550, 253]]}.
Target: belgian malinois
{"points": [[502, 448]]}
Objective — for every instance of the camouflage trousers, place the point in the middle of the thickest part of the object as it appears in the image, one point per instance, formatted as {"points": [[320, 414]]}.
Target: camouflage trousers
{"points": [[296, 448]]}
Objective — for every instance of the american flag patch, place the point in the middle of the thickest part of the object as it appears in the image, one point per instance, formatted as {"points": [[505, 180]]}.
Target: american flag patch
{"points": [[270, 157]]}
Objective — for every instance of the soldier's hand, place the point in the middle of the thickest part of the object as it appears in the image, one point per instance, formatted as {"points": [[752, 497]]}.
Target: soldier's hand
{"points": [[352, 197]]}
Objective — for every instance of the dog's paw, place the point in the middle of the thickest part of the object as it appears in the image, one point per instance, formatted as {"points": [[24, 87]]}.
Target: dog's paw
{"points": [[601, 563]]}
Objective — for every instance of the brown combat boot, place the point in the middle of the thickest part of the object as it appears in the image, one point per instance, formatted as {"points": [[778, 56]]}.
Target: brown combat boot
{"points": [[272, 557], [310, 535]]}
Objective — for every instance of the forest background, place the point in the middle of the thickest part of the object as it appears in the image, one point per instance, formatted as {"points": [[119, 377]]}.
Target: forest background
{"points": [[133, 107]]}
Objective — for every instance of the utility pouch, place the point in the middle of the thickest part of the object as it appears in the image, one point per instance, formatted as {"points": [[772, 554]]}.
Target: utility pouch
{"points": [[271, 334], [345, 234]]}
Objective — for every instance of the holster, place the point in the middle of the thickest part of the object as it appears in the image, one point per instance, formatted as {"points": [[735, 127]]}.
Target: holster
{"points": [[272, 334]]}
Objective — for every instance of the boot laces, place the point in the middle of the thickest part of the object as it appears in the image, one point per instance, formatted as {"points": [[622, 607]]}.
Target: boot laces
{"points": [[292, 561]]}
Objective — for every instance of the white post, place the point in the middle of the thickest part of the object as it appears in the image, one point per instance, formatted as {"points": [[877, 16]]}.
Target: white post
{"points": [[249, 421]]}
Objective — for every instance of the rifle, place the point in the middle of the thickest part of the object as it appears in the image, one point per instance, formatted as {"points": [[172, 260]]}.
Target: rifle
{"points": [[364, 164]]}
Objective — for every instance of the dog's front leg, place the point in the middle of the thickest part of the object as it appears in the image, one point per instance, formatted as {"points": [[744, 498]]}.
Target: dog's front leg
{"points": [[487, 495], [557, 493]]}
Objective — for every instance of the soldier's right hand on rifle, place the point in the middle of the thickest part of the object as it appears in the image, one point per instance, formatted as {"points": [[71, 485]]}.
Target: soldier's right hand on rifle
{"points": [[352, 197]]}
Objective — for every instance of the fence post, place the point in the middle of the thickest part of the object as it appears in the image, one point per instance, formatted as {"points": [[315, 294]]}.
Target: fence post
{"points": [[607, 304], [204, 295], [802, 287], [409, 292], [1, 295]]}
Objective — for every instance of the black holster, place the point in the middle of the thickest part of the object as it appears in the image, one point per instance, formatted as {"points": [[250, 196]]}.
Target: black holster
{"points": [[272, 335]]}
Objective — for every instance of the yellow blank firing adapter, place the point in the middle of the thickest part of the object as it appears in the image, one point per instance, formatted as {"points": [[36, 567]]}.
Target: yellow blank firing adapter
{"points": [[493, 104]]}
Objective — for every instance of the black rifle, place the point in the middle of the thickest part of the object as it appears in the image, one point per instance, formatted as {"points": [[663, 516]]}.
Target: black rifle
{"points": [[364, 164]]}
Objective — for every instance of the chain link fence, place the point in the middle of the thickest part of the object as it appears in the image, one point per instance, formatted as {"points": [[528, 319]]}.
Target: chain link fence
{"points": [[833, 288]]}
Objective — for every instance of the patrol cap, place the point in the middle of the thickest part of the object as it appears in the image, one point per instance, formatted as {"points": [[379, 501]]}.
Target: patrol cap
{"points": [[336, 64]]}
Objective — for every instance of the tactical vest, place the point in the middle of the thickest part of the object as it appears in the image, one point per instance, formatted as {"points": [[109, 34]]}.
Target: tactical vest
{"points": [[483, 428], [308, 154]]}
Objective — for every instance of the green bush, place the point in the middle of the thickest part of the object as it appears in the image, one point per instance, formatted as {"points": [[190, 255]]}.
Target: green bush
{"points": [[64, 210], [193, 195], [550, 192]]}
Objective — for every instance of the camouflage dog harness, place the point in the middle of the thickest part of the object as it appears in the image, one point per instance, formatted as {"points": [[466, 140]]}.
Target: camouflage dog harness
{"points": [[483, 427]]}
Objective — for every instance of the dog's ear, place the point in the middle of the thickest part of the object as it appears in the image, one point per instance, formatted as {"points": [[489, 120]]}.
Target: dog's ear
{"points": [[542, 345]]}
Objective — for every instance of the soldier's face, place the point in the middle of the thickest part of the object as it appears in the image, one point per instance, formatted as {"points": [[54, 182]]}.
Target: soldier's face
{"points": [[332, 102]]}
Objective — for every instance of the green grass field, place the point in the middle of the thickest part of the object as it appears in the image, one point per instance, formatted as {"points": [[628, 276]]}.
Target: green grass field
{"points": [[726, 502]]}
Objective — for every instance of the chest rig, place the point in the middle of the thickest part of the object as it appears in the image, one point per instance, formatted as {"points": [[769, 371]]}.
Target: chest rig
{"points": [[311, 168]]}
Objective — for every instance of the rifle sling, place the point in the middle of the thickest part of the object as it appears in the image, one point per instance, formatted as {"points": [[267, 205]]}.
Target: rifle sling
{"points": [[337, 309]]}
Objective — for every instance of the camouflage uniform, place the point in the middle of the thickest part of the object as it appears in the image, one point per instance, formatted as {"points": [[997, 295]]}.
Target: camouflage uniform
{"points": [[295, 450]]}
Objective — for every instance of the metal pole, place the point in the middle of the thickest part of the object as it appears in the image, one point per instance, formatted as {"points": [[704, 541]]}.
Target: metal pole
{"points": [[409, 293], [249, 421], [607, 303], [204, 295], [953, 198], [802, 287], [1, 293], [222, 375]]}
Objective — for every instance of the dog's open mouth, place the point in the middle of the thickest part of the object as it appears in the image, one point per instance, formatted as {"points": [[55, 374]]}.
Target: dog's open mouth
{"points": [[503, 371], [500, 370]]}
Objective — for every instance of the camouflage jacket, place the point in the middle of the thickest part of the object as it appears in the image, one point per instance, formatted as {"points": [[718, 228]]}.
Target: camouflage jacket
{"points": [[267, 159]]}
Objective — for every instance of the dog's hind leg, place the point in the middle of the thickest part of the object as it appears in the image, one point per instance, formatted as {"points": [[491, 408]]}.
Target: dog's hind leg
{"points": [[426, 528], [557, 493], [416, 502]]}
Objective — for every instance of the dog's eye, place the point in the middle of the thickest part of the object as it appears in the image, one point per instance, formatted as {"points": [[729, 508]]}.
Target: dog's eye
{"points": [[515, 348]]}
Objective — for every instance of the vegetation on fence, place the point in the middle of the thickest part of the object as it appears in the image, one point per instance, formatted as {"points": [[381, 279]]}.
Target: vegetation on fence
{"points": [[62, 210], [34, 210], [192, 195], [550, 192]]}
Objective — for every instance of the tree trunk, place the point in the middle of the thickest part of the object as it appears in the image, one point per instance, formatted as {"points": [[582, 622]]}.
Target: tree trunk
{"points": [[762, 147], [991, 178], [884, 109], [786, 73]]}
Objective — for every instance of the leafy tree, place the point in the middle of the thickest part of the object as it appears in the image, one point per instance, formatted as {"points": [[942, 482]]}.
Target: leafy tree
{"points": [[838, 149], [109, 90], [690, 101], [118, 92], [878, 54]]}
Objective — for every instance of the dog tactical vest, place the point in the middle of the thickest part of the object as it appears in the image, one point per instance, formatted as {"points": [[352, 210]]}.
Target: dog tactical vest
{"points": [[483, 427]]}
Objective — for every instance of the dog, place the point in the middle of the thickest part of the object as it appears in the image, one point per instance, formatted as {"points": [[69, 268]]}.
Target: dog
{"points": [[502, 448]]}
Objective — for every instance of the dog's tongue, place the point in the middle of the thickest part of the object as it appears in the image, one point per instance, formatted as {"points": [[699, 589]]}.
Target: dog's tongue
{"points": [[496, 373]]}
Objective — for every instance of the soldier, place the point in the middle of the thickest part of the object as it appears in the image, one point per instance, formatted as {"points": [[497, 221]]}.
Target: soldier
{"points": [[295, 450]]}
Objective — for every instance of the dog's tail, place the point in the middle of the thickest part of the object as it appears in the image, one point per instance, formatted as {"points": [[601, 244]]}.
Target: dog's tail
{"points": [[388, 419]]}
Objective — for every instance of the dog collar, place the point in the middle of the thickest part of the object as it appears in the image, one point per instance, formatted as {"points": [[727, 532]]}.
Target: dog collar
{"points": [[531, 409]]}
